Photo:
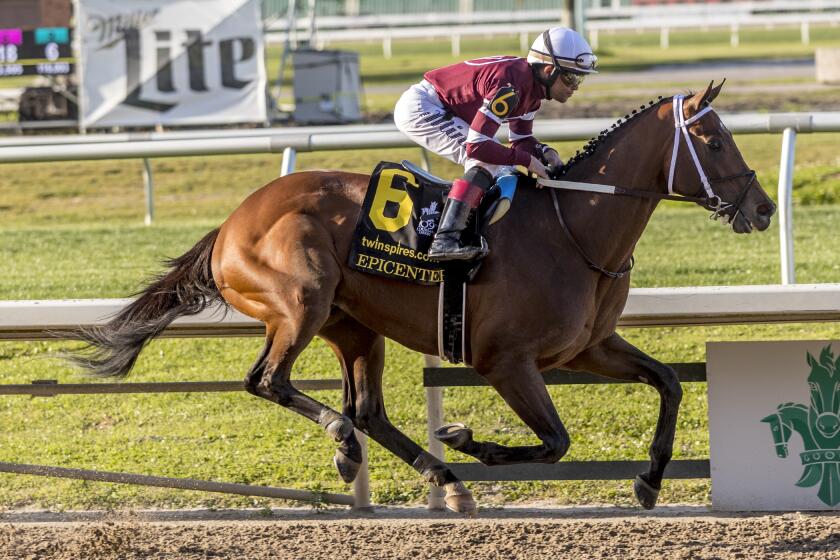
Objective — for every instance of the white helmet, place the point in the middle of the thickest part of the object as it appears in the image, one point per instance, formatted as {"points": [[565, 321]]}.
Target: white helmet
{"points": [[564, 49]]}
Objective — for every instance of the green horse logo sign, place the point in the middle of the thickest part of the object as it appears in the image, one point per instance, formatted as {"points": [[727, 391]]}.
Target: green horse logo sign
{"points": [[818, 425]]}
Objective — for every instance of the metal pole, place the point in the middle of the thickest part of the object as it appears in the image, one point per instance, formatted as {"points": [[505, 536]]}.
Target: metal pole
{"points": [[291, 31], [785, 206], [81, 100], [149, 186], [734, 38], [288, 165], [312, 26], [580, 17], [180, 483], [523, 42], [664, 34], [51, 387], [361, 486], [434, 414]]}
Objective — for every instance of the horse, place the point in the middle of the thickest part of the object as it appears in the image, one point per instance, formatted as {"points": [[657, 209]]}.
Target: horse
{"points": [[548, 296]]}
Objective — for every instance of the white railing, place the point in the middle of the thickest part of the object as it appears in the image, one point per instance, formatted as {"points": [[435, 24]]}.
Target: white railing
{"points": [[646, 307], [711, 21], [292, 140], [388, 27]]}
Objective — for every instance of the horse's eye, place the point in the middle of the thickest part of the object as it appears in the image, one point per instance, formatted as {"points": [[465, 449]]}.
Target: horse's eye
{"points": [[714, 145]]}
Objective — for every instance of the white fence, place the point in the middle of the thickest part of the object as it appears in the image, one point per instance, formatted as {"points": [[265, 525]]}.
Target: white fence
{"points": [[290, 141], [646, 307], [664, 18]]}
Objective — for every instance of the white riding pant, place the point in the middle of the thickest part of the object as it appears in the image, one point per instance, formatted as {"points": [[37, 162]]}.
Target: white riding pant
{"points": [[421, 116]]}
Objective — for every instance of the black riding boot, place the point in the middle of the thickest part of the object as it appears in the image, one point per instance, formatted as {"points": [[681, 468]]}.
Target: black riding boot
{"points": [[446, 245]]}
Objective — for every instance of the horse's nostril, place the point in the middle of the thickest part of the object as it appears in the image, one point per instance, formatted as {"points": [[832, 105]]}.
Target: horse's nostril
{"points": [[765, 210]]}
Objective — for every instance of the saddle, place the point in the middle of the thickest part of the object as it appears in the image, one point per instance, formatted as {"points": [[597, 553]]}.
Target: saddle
{"points": [[494, 205], [399, 216]]}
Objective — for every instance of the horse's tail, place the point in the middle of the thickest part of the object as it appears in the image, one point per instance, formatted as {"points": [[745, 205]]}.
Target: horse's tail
{"points": [[186, 289]]}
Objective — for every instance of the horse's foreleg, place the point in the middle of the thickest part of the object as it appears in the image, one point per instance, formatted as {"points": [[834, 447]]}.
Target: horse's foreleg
{"points": [[522, 387], [617, 358]]}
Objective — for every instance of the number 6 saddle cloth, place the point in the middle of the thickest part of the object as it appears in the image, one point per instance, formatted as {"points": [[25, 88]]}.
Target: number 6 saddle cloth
{"points": [[398, 219]]}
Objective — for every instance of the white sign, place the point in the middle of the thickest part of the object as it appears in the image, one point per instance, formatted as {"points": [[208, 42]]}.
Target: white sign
{"points": [[774, 425], [171, 62]]}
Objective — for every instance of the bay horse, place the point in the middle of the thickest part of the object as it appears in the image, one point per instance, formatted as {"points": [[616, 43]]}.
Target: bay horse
{"points": [[549, 295]]}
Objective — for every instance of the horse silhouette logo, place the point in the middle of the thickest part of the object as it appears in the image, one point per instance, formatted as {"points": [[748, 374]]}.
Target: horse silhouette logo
{"points": [[818, 425], [428, 219]]}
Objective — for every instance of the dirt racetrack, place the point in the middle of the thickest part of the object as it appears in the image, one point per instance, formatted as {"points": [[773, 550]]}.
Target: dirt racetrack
{"points": [[509, 533]]}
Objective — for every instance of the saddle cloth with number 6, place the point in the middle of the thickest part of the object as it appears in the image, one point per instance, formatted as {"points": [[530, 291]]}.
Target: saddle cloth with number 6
{"points": [[398, 219]]}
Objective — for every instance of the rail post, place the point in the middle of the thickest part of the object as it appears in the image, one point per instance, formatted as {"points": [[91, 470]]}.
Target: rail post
{"points": [[785, 205], [148, 185], [434, 415], [361, 486], [288, 164]]}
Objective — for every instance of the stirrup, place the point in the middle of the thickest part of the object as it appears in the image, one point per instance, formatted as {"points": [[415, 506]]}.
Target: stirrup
{"points": [[461, 252]]}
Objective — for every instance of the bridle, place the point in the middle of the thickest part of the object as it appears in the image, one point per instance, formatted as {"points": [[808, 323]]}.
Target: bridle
{"points": [[706, 196], [711, 201]]}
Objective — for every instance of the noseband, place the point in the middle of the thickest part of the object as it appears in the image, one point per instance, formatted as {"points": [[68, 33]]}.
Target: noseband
{"points": [[710, 201]]}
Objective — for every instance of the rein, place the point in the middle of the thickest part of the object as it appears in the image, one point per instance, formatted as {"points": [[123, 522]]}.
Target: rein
{"points": [[711, 201], [608, 273]]}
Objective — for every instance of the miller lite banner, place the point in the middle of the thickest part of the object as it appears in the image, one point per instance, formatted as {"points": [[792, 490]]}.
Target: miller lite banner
{"points": [[171, 62]]}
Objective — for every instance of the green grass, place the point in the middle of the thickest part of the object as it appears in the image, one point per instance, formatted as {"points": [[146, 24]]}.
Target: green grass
{"points": [[64, 239], [234, 437]]}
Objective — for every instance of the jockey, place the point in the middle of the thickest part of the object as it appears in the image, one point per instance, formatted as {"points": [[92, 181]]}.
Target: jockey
{"points": [[456, 110]]}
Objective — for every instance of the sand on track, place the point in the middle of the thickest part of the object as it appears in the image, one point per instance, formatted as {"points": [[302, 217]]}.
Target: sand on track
{"points": [[508, 533]]}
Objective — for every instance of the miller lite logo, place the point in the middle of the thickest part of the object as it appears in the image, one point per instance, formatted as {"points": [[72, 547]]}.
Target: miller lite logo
{"points": [[149, 62]]}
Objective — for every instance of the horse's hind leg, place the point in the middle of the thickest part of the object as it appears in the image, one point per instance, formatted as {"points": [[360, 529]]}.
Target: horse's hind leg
{"points": [[362, 353], [269, 378], [294, 300], [356, 348], [617, 358]]}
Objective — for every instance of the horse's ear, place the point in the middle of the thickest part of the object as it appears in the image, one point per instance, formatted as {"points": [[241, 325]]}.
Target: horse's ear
{"points": [[700, 100], [714, 90]]}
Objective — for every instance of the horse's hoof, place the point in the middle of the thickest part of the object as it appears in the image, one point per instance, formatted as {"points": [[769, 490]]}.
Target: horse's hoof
{"points": [[347, 468], [455, 435], [459, 499], [645, 492]]}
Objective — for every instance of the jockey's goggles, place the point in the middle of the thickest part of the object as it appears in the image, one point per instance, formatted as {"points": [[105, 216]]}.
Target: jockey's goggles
{"points": [[571, 79]]}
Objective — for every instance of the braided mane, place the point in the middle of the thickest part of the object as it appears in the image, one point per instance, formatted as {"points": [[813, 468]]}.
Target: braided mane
{"points": [[594, 143]]}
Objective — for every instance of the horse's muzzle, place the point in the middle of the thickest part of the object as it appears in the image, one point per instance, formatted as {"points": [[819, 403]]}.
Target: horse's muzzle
{"points": [[751, 217]]}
